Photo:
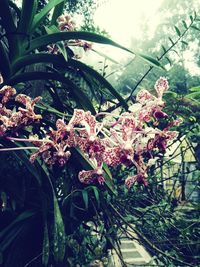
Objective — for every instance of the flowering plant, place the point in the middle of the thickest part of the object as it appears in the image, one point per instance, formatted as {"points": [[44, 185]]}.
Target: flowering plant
{"points": [[130, 139]]}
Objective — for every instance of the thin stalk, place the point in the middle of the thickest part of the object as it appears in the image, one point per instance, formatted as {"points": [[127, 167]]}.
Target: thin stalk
{"points": [[18, 148]]}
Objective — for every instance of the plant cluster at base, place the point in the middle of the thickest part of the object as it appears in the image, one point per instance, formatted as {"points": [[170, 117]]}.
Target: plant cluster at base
{"points": [[130, 139]]}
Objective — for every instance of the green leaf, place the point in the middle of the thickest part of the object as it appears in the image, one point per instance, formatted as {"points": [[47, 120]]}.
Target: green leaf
{"points": [[195, 89], [9, 26], [177, 31], [29, 8], [109, 179], [184, 42], [171, 41], [59, 239], [5, 67], [152, 61], [85, 198], [59, 61], [164, 49], [78, 95], [43, 13], [96, 193], [45, 247], [58, 10], [99, 78], [22, 156], [191, 18], [168, 60], [195, 28], [86, 163], [195, 96], [23, 216], [185, 24], [62, 36], [61, 45]]}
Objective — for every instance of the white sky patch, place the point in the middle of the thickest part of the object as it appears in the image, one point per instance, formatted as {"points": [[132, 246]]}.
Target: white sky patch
{"points": [[123, 19]]}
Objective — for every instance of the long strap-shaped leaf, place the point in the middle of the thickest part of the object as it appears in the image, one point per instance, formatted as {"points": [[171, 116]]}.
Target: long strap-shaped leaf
{"points": [[29, 8], [5, 67], [78, 95], [62, 36], [42, 57], [43, 13], [8, 24]]}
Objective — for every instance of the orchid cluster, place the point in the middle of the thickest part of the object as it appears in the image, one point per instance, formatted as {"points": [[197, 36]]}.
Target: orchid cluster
{"points": [[10, 119], [130, 139], [65, 23]]}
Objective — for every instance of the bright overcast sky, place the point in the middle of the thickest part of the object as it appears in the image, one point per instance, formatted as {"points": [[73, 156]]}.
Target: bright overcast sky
{"points": [[122, 19]]}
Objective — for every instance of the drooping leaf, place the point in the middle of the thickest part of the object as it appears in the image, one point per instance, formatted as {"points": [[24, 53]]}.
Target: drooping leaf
{"points": [[59, 61], [62, 36], [77, 94]]}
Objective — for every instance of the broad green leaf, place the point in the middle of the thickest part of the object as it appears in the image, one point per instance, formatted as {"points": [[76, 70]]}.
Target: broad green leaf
{"points": [[152, 61], [59, 239], [177, 31], [58, 10], [62, 36], [85, 198], [59, 61], [43, 13], [29, 8], [45, 247], [78, 95]]}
